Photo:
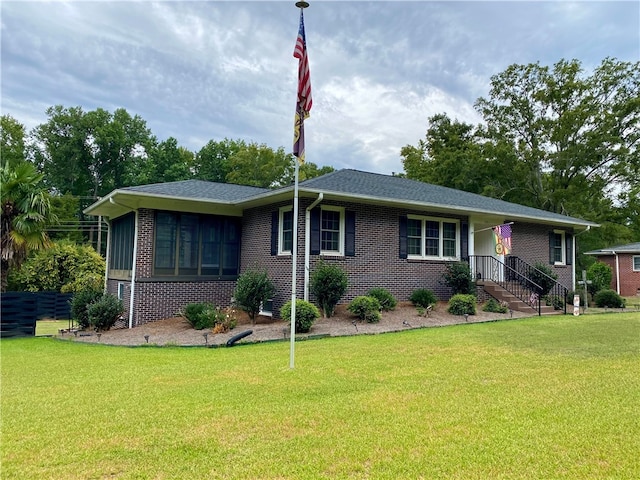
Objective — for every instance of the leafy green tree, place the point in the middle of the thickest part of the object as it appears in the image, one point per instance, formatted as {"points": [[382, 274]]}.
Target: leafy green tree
{"points": [[90, 153], [26, 212], [600, 275], [12, 145], [260, 166], [211, 163], [63, 267], [165, 162]]}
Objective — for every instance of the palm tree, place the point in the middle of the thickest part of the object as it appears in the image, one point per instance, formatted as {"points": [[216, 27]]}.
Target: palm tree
{"points": [[26, 212]]}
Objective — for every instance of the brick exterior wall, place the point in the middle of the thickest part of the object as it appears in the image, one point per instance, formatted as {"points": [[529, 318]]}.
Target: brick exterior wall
{"points": [[375, 264], [530, 242], [629, 280]]}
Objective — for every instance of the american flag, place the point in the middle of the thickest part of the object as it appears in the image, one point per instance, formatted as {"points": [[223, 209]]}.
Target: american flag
{"points": [[503, 232], [304, 102]]}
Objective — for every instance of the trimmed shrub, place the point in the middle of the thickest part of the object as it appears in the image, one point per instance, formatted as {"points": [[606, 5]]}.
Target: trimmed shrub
{"points": [[600, 275], [555, 301], [79, 306], [460, 304], [366, 308], [306, 314], [543, 276], [202, 315], [423, 298], [384, 296], [104, 312], [253, 288], [608, 298], [328, 284], [492, 305], [458, 277]]}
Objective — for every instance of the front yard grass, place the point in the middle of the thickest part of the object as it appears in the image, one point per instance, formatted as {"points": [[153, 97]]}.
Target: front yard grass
{"points": [[551, 397]]}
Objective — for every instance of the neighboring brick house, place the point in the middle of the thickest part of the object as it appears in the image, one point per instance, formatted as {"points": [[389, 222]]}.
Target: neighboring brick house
{"points": [[181, 242], [624, 261]]}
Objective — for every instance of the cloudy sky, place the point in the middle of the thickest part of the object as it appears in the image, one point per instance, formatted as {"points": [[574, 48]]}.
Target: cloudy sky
{"points": [[202, 70]]}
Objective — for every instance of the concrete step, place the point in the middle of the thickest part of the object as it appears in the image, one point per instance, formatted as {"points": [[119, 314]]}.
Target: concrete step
{"points": [[514, 303]]}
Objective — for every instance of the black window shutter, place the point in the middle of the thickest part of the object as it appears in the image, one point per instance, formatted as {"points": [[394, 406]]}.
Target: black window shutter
{"points": [[403, 237], [274, 232], [350, 233], [464, 241], [552, 237], [315, 231], [568, 238]]}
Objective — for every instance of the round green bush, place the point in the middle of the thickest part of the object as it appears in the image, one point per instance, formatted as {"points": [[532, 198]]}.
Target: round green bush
{"points": [[458, 277], [460, 304], [543, 276], [493, 306], [366, 308], [306, 314], [384, 296], [104, 312], [423, 298], [328, 284], [253, 288], [609, 299], [202, 315], [79, 306]]}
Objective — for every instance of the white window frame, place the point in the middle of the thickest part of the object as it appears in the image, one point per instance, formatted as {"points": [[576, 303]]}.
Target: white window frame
{"points": [[282, 211], [340, 251], [563, 247], [441, 221], [635, 258]]}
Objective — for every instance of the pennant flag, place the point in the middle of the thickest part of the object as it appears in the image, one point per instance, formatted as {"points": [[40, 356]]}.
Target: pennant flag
{"points": [[502, 238], [304, 102]]}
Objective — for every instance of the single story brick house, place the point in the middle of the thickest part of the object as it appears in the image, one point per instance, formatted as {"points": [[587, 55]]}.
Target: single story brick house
{"points": [[624, 261], [182, 242]]}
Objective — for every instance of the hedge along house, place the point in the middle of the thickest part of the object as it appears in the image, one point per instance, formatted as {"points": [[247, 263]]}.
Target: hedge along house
{"points": [[624, 261], [183, 242]]}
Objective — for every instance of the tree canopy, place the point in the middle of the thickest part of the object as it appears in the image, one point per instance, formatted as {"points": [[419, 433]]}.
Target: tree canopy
{"points": [[554, 138]]}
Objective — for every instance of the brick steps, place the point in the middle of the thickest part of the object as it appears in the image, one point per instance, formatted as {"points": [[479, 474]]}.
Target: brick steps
{"points": [[514, 303]]}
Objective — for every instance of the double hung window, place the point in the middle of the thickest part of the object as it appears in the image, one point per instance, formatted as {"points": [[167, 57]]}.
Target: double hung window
{"points": [[433, 238]]}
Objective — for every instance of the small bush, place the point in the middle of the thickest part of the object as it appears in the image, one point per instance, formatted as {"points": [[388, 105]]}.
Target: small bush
{"points": [[555, 301], [543, 276], [104, 312], [253, 288], [600, 275], [458, 277], [306, 314], [608, 298], [460, 304], [492, 305], [328, 284], [79, 304], [202, 315], [423, 298], [366, 308], [384, 296]]}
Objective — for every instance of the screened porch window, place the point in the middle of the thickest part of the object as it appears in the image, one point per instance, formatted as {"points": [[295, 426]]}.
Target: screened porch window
{"points": [[196, 245]]}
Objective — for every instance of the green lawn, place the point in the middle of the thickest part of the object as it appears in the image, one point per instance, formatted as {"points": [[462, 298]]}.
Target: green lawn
{"points": [[50, 327], [553, 397]]}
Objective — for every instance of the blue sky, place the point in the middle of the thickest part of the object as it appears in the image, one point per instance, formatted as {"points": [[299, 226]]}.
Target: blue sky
{"points": [[202, 70]]}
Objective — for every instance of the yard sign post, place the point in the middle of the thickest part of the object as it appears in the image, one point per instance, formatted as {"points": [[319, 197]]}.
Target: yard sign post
{"points": [[303, 106]]}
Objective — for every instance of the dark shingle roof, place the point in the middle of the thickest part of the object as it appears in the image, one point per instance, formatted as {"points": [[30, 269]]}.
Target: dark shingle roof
{"points": [[373, 185], [200, 189]]}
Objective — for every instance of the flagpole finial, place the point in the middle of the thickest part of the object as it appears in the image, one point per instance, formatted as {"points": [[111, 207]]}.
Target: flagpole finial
{"points": [[302, 4]]}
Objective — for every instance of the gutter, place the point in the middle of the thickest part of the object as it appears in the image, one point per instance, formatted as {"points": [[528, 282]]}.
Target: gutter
{"points": [[617, 272], [307, 243]]}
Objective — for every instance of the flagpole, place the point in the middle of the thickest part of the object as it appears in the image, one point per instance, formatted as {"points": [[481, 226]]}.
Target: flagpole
{"points": [[294, 247]]}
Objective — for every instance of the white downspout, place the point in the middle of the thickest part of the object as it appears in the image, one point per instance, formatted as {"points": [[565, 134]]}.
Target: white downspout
{"points": [[307, 243], [617, 273]]}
